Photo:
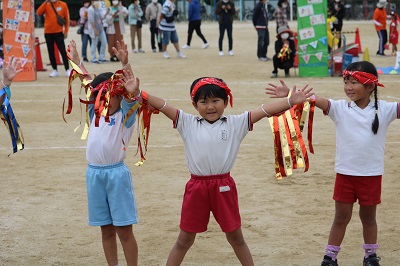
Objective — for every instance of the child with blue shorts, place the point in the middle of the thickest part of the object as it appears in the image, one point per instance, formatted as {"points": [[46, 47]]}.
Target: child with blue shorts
{"points": [[211, 143], [111, 198]]}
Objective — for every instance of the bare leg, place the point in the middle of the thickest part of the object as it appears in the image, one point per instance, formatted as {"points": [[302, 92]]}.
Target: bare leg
{"points": [[109, 238], [343, 213], [129, 244], [370, 228], [182, 245], [176, 45], [239, 245]]}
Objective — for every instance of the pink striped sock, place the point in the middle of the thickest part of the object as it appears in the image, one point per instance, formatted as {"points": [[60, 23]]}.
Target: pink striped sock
{"points": [[370, 249], [332, 251]]}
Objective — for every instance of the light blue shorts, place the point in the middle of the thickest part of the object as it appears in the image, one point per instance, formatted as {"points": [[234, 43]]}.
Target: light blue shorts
{"points": [[111, 199], [169, 36]]}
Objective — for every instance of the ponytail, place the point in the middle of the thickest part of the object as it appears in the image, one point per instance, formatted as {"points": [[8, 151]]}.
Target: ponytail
{"points": [[375, 123]]}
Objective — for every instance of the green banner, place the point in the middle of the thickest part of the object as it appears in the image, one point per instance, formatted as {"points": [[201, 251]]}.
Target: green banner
{"points": [[312, 38]]}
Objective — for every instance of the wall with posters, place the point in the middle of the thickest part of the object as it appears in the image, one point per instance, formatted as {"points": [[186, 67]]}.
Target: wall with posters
{"points": [[19, 36], [312, 38]]}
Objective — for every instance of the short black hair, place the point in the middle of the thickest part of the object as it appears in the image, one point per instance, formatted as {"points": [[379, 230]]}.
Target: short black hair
{"points": [[209, 91]]}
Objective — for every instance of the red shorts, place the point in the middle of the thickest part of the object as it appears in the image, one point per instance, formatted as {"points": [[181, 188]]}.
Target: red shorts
{"points": [[367, 189], [205, 194]]}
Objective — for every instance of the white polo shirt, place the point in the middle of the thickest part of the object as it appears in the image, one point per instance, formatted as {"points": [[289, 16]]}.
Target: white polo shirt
{"points": [[212, 149], [359, 152]]}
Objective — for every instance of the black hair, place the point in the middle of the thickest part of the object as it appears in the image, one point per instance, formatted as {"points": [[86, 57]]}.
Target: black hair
{"points": [[99, 79], [368, 67], [86, 1], [209, 91], [280, 2]]}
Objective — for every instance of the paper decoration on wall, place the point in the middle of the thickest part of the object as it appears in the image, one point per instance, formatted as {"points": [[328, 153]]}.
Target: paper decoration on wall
{"points": [[318, 56], [22, 15], [15, 4], [8, 48], [11, 24], [307, 33], [314, 44], [306, 58], [323, 40], [303, 47], [23, 61], [25, 49], [317, 19], [305, 11], [22, 37]]}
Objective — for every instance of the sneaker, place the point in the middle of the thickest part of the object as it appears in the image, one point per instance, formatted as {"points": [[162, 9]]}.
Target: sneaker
{"points": [[328, 261], [274, 75], [221, 53], [154, 50], [262, 58], [141, 51], [180, 55], [103, 61], [372, 260], [85, 59], [54, 74], [166, 55], [134, 51], [186, 46], [68, 72], [205, 46], [95, 62], [230, 52]]}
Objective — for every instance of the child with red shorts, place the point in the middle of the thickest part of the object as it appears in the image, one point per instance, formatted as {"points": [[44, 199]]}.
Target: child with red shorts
{"points": [[211, 143], [359, 154], [394, 32]]}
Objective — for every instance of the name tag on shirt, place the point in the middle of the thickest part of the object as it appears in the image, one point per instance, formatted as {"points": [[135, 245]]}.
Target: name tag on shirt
{"points": [[224, 189]]}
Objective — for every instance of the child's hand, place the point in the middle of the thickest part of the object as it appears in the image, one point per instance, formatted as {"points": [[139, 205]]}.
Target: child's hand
{"points": [[73, 53], [121, 52], [300, 95], [277, 91], [10, 70], [131, 83]]}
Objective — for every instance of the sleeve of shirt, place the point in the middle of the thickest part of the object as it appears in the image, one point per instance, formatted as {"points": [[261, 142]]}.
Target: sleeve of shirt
{"points": [[241, 124], [125, 109]]}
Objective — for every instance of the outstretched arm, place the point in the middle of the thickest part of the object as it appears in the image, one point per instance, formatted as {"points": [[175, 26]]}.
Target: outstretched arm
{"points": [[10, 70], [132, 86], [266, 110], [73, 54], [279, 91], [121, 52]]}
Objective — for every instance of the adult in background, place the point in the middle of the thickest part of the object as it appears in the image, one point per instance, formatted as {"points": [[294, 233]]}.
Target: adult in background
{"points": [[167, 26], [379, 20], [153, 12], [285, 51], [260, 22], [96, 33], [338, 11], [83, 20], [55, 33], [116, 26], [225, 10], [135, 14], [280, 14], [194, 19]]}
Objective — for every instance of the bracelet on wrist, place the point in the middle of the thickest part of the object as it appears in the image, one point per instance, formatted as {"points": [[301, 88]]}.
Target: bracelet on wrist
{"points": [[165, 104], [288, 101], [265, 112], [4, 85]]}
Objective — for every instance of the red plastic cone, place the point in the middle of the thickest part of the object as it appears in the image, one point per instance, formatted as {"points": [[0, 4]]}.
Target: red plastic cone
{"points": [[358, 41], [39, 63]]}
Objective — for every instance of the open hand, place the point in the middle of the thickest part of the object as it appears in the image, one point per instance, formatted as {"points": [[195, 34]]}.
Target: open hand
{"points": [[277, 91], [130, 82], [300, 95], [10, 70], [73, 53], [121, 52]]}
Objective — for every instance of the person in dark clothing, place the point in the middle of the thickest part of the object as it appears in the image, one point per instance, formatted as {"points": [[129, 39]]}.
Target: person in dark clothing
{"points": [[260, 22], [338, 11], [225, 9], [285, 51], [194, 24]]}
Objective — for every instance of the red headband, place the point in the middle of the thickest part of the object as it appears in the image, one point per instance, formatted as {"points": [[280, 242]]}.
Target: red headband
{"points": [[363, 77], [212, 81]]}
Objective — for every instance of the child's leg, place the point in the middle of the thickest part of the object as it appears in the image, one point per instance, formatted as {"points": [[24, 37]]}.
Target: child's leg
{"points": [[343, 213], [239, 245], [368, 220], [109, 239], [183, 243], [129, 244]]}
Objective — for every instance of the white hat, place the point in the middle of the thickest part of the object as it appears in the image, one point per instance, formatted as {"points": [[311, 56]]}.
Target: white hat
{"points": [[381, 3]]}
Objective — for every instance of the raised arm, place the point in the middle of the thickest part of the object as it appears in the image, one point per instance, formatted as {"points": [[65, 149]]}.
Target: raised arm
{"points": [[132, 86], [10, 70], [266, 110], [280, 91], [74, 57]]}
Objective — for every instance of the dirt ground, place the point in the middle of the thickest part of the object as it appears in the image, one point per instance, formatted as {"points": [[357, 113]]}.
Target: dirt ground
{"points": [[43, 202]]}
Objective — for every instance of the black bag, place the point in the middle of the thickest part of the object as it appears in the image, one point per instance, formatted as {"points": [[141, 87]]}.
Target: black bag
{"points": [[139, 24], [80, 30], [60, 20], [153, 23]]}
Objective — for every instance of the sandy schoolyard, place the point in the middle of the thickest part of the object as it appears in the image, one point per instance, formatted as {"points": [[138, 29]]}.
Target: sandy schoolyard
{"points": [[43, 203]]}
